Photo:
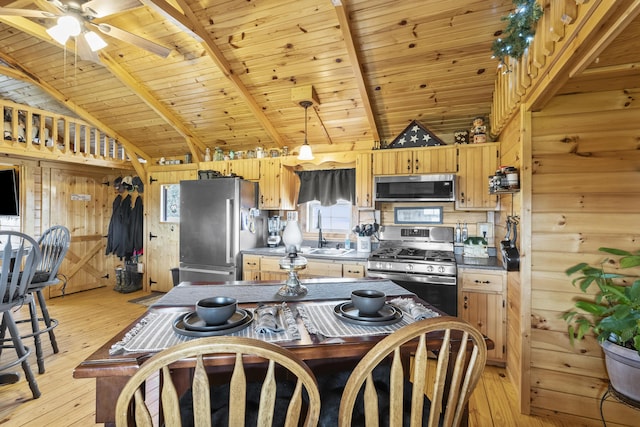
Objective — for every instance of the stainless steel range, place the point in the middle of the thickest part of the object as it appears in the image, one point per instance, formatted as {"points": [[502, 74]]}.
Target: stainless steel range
{"points": [[420, 259]]}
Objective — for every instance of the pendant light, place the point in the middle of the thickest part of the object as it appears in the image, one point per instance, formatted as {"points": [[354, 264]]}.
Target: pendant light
{"points": [[305, 150]]}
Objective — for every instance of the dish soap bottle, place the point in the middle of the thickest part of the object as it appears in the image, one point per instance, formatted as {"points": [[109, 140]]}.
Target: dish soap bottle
{"points": [[347, 242], [458, 233], [465, 232]]}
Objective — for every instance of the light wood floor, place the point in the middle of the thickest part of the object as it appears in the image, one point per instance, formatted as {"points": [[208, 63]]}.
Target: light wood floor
{"points": [[89, 318]]}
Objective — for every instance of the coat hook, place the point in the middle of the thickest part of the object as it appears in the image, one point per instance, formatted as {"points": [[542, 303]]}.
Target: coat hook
{"points": [[152, 180], [106, 183]]}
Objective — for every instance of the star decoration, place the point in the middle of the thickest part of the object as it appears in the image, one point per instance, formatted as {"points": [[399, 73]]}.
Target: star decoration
{"points": [[415, 135]]}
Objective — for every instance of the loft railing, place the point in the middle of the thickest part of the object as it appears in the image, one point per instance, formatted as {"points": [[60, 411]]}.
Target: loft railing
{"points": [[562, 25], [37, 133]]}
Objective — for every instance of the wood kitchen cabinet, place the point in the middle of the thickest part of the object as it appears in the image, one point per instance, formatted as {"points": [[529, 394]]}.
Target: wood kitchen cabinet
{"points": [[248, 169], [250, 267], [476, 163], [364, 181], [439, 159], [482, 302], [278, 185], [263, 267]]}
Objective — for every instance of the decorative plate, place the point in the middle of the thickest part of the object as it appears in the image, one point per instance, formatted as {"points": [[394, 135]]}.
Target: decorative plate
{"points": [[180, 327], [366, 321]]}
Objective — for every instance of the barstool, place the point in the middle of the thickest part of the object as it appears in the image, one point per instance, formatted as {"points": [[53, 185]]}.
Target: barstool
{"points": [[20, 255]]}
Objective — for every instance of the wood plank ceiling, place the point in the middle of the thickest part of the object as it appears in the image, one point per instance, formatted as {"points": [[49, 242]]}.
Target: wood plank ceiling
{"points": [[375, 65]]}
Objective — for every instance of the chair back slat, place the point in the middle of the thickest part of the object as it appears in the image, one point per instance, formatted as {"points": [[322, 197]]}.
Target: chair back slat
{"points": [[141, 412], [267, 397], [201, 397], [396, 394], [419, 381], [237, 393], [372, 417], [295, 408], [169, 399]]}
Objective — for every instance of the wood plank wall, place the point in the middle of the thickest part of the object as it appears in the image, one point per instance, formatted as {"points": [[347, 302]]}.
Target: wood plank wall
{"points": [[510, 204], [585, 193]]}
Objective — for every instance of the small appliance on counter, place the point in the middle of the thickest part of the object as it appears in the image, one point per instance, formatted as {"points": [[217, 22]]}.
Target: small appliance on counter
{"points": [[274, 232]]}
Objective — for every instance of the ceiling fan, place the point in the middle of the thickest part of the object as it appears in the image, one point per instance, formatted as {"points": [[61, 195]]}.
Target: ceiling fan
{"points": [[75, 19]]}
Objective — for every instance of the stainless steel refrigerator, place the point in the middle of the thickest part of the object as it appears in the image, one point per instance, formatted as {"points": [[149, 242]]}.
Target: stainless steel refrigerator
{"points": [[218, 219]]}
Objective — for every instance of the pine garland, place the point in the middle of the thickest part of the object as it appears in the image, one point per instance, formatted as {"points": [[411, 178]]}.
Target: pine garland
{"points": [[520, 30]]}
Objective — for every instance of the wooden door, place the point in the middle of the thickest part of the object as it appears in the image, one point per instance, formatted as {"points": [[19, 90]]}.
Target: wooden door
{"points": [[162, 239], [364, 181], [486, 312], [475, 164], [79, 199], [393, 162], [435, 160]]}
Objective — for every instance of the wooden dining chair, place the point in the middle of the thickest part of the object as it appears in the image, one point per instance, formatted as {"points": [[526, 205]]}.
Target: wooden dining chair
{"points": [[390, 399], [274, 399], [19, 256]]}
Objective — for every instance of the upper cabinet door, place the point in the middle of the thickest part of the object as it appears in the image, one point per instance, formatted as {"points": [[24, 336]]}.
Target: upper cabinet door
{"points": [[364, 181], [476, 163], [440, 159]]}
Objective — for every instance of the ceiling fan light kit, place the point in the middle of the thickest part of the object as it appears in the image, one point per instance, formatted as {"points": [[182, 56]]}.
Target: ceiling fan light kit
{"points": [[73, 16]]}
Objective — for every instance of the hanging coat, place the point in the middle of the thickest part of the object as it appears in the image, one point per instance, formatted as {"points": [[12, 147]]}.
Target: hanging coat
{"points": [[137, 226], [115, 226]]}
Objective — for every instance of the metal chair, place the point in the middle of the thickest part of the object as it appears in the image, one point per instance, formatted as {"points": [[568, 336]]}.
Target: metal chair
{"points": [[274, 397], [54, 244], [460, 362], [20, 256]]}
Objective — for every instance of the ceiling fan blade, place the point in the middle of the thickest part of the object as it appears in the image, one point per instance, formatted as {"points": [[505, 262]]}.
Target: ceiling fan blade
{"points": [[102, 8], [29, 13], [84, 50], [133, 39]]}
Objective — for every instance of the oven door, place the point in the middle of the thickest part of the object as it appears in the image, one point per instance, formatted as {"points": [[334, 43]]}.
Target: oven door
{"points": [[439, 291]]}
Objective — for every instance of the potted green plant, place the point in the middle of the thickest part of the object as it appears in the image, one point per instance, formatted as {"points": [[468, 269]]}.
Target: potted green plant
{"points": [[613, 315]]}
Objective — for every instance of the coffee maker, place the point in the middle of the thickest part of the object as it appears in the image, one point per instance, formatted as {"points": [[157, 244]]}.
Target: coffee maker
{"points": [[274, 232]]}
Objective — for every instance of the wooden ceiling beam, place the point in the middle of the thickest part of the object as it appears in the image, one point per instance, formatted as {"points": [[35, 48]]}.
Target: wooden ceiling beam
{"points": [[349, 42], [189, 20], [81, 112], [196, 147]]}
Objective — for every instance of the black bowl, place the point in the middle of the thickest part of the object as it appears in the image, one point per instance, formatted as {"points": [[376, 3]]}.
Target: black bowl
{"points": [[216, 310], [368, 301]]}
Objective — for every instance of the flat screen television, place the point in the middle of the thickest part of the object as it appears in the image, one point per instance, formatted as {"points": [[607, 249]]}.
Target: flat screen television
{"points": [[9, 202]]}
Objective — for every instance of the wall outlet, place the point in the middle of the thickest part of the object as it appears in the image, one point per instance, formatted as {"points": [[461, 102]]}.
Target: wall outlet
{"points": [[485, 230]]}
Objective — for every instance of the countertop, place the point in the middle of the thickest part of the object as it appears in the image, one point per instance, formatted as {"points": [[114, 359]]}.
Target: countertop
{"points": [[490, 263], [307, 252]]}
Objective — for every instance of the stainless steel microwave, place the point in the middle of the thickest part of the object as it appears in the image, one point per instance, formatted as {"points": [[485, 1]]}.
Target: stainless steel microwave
{"points": [[415, 188]]}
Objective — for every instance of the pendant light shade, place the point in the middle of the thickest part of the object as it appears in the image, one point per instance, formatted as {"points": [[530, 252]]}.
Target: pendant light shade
{"points": [[305, 150]]}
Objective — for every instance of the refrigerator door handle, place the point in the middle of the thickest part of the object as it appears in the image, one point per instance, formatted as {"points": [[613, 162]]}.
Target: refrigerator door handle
{"points": [[229, 243], [202, 270]]}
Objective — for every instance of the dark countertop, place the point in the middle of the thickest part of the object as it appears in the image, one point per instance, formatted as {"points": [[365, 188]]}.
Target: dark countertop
{"points": [[353, 255], [491, 263]]}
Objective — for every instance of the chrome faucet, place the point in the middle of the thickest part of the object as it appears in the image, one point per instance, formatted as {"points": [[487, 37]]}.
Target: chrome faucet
{"points": [[321, 240]]}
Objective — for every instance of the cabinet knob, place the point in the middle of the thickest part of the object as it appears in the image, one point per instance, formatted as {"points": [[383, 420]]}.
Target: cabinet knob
{"points": [[417, 165], [462, 197], [408, 165]]}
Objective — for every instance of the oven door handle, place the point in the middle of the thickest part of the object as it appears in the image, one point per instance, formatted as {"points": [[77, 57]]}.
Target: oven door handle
{"points": [[417, 278]]}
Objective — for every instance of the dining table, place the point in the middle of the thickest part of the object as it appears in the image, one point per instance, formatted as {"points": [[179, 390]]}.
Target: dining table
{"points": [[311, 326]]}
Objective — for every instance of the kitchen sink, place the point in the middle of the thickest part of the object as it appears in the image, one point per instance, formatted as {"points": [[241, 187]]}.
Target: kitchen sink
{"points": [[329, 251]]}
